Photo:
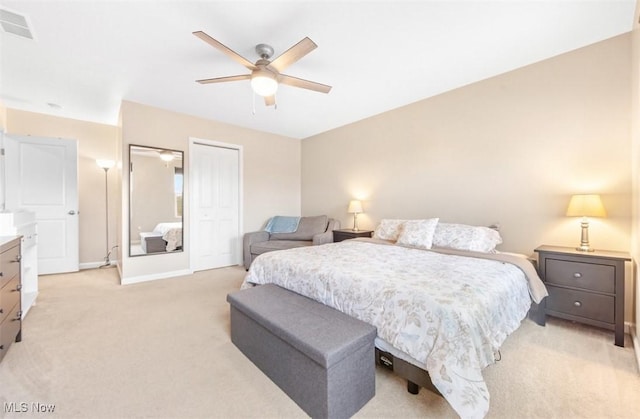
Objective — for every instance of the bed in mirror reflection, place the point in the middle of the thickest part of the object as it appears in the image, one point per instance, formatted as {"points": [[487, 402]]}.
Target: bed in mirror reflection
{"points": [[155, 205]]}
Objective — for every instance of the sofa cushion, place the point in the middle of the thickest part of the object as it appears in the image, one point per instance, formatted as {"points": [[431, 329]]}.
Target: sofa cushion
{"points": [[307, 228], [268, 246]]}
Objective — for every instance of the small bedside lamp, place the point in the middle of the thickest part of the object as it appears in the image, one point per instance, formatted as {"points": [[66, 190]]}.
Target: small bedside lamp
{"points": [[355, 208], [585, 206]]}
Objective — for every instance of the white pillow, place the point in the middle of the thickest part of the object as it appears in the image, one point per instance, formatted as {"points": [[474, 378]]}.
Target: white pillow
{"points": [[418, 233], [388, 229], [466, 237]]}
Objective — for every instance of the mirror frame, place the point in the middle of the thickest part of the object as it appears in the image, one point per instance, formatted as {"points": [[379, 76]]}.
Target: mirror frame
{"points": [[178, 155]]}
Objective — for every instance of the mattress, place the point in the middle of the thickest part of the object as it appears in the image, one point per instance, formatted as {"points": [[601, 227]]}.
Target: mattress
{"points": [[446, 313]]}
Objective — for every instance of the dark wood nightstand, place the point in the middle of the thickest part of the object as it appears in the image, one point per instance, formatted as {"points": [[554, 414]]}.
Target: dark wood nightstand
{"points": [[344, 234], [586, 287]]}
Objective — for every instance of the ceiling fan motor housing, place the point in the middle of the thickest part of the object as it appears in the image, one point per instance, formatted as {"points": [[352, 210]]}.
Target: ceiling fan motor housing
{"points": [[264, 51]]}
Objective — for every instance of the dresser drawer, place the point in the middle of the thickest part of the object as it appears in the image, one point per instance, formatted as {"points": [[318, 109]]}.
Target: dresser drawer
{"points": [[9, 297], [9, 264], [589, 276], [9, 329], [580, 303]]}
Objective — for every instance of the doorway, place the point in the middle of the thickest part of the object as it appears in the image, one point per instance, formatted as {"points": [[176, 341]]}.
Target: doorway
{"points": [[42, 177], [215, 178]]}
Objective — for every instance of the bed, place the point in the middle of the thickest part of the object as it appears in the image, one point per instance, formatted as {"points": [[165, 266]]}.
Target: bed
{"points": [[446, 311], [165, 237]]}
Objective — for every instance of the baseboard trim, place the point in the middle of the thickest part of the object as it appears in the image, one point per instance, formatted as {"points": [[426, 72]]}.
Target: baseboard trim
{"points": [[635, 339], [93, 265], [153, 277]]}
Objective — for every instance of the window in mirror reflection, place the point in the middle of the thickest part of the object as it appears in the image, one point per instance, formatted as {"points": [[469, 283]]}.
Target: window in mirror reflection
{"points": [[177, 179], [156, 191]]}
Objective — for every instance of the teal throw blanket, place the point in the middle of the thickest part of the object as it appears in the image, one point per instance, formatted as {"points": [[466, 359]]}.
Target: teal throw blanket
{"points": [[282, 224]]}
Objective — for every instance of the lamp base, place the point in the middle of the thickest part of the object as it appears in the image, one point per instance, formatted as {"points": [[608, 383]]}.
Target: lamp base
{"points": [[585, 249], [584, 237]]}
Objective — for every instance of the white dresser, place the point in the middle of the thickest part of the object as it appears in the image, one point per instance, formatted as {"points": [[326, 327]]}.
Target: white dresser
{"points": [[23, 223]]}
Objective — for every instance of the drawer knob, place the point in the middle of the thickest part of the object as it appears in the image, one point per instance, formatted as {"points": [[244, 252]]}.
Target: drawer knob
{"points": [[577, 275], [577, 303]]}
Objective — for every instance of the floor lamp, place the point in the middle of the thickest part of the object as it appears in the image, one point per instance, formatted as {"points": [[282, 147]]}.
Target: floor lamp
{"points": [[106, 165]]}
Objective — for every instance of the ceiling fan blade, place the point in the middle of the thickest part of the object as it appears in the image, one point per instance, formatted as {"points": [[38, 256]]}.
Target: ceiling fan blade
{"points": [[293, 54], [223, 79], [305, 84], [270, 100], [226, 50]]}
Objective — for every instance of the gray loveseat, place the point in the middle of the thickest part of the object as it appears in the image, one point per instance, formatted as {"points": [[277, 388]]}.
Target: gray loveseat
{"points": [[311, 231]]}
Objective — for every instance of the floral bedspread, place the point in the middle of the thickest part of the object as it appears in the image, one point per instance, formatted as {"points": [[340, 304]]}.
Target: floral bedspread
{"points": [[450, 313]]}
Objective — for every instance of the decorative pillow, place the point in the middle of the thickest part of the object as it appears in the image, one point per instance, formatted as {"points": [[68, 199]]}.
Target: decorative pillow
{"points": [[418, 233], [466, 237], [388, 229]]}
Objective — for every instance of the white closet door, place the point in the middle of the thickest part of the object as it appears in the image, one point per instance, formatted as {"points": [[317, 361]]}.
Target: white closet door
{"points": [[215, 207], [42, 176]]}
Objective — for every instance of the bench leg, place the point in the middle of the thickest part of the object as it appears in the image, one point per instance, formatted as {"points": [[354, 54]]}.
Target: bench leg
{"points": [[412, 387]]}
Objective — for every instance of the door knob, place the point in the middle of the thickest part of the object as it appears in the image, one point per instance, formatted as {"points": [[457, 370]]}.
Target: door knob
{"points": [[72, 212]]}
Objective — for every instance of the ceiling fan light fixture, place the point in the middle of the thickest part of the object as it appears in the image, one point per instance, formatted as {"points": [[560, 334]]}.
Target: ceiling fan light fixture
{"points": [[265, 74], [166, 155], [264, 82]]}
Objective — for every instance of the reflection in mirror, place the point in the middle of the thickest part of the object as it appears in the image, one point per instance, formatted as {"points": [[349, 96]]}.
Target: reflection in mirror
{"points": [[155, 200]]}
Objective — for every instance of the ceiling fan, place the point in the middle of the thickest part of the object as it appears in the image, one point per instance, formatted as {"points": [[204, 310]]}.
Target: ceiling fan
{"points": [[265, 74]]}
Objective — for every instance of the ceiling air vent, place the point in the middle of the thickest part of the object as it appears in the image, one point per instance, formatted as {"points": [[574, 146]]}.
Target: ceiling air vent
{"points": [[15, 24]]}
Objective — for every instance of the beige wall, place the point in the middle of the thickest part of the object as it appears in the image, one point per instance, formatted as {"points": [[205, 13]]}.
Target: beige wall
{"points": [[510, 149], [271, 174], [635, 135], [153, 198], [95, 141]]}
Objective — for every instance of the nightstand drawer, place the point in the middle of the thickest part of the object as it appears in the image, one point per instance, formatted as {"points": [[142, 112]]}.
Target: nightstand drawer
{"points": [[588, 276], [580, 303]]}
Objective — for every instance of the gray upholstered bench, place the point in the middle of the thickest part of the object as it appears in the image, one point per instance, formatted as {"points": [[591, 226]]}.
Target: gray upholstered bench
{"points": [[322, 358]]}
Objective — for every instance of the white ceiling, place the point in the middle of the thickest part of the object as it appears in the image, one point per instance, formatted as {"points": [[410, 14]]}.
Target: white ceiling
{"points": [[88, 55]]}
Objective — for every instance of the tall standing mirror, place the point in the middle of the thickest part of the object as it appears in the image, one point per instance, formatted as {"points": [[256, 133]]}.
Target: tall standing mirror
{"points": [[155, 200]]}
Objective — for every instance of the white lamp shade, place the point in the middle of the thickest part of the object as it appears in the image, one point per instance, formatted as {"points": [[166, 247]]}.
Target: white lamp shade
{"points": [[264, 82], [586, 206], [355, 207], [105, 164]]}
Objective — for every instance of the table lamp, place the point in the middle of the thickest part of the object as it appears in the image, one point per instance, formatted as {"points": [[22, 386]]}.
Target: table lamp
{"points": [[585, 206], [355, 208]]}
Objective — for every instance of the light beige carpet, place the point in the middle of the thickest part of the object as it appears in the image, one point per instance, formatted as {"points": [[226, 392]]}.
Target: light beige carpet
{"points": [[161, 349]]}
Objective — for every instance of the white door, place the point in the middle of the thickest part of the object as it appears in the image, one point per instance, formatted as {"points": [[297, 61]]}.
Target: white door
{"points": [[42, 176], [215, 228]]}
